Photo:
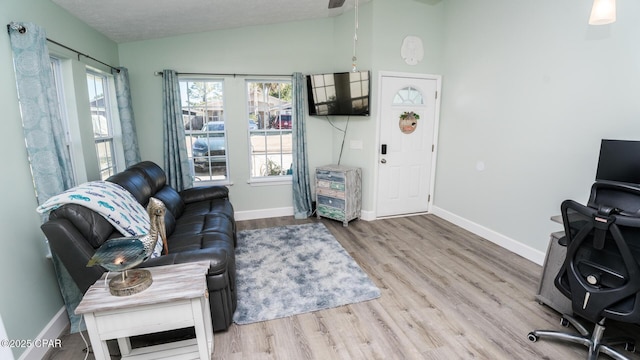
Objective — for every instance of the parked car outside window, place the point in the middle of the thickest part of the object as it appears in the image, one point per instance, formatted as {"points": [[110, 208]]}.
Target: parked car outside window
{"points": [[281, 122], [209, 149]]}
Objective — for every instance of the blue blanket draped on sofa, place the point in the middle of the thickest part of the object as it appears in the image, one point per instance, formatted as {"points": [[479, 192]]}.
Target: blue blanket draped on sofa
{"points": [[112, 202]]}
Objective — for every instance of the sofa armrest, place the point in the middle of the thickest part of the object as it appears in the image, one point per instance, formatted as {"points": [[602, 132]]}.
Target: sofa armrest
{"points": [[73, 250], [202, 193], [218, 259]]}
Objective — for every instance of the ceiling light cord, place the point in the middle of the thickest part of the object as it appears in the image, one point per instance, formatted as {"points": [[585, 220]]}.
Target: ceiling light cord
{"points": [[354, 59]]}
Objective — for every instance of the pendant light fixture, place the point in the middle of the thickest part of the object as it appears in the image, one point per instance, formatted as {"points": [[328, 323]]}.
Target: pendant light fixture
{"points": [[603, 12]]}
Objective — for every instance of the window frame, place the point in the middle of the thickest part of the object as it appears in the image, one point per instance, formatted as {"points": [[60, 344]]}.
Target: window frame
{"points": [[113, 124], [266, 180], [57, 72], [189, 144]]}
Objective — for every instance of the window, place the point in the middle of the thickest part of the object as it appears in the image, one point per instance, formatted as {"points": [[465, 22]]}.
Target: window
{"points": [[204, 124], [102, 118], [56, 71], [408, 96], [269, 124]]}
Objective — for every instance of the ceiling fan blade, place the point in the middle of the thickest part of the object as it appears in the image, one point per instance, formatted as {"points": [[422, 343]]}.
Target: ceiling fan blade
{"points": [[335, 3]]}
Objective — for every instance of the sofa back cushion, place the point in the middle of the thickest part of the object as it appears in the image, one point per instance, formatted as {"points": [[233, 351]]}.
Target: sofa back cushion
{"points": [[174, 205], [155, 176], [93, 226], [136, 183], [146, 179], [157, 180]]}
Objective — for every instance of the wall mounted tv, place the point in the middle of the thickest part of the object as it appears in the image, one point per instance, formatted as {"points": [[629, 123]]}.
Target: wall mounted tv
{"points": [[619, 161], [345, 93]]}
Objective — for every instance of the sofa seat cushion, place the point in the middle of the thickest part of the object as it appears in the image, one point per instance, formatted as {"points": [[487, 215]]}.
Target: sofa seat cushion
{"points": [[205, 231], [211, 206], [212, 231]]}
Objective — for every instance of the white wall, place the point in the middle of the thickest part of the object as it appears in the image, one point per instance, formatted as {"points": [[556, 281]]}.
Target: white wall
{"points": [[529, 90]]}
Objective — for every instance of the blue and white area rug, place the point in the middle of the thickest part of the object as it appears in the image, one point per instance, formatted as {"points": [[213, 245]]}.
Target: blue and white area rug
{"points": [[296, 269]]}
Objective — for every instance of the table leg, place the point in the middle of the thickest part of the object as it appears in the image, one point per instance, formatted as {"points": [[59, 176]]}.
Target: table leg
{"points": [[99, 346], [125, 346], [208, 327], [200, 320]]}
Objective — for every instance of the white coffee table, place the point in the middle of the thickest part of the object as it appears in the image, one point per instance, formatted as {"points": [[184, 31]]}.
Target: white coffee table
{"points": [[178, 298]]}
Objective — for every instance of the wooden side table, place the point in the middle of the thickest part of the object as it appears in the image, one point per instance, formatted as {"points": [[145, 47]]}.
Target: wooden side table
{"points": [[339, 192], [178, 298]]}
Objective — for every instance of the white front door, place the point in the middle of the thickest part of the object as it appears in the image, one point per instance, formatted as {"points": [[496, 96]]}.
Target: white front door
{"points": [[406, 153]]}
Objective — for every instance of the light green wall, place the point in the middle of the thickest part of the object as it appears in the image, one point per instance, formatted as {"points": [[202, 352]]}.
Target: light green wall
{"points": [[30, 298], [530, 89], [391, 22], [312, 46], [277, 49]]}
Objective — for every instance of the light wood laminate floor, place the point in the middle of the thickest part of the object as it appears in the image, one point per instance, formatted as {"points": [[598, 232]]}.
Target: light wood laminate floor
{"points": [[446, 294]]}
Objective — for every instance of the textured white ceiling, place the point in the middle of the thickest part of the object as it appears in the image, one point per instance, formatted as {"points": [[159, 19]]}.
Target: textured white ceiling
{"points": [[131, 20]]}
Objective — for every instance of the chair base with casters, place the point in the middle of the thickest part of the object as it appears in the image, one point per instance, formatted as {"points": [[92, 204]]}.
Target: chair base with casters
{"points": [[594, 341]]}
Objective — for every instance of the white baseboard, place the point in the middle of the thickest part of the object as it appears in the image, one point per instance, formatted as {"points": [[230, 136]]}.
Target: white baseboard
{"points": [[51, 332], [508, 243], [286, 211], [367, 215], [263, 213]]}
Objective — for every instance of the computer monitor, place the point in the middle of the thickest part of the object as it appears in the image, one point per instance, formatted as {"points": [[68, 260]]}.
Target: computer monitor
{"points": [[619, 161]]}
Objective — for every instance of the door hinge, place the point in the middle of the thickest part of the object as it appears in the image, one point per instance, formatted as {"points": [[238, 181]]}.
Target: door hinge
{"points": [[429, 198], [433, 147], [436, 95]]}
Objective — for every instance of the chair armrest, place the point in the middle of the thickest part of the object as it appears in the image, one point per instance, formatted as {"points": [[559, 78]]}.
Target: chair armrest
{"points": [[202, 193]]}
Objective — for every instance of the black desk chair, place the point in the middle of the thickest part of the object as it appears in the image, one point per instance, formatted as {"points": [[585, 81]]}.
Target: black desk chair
{"points": [[600, 275]]}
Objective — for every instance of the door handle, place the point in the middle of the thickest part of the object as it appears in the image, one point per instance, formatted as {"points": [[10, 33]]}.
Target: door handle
{"points": [[384, 161]]}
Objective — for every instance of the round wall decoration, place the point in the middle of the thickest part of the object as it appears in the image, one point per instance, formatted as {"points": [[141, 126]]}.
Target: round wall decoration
{"points": [[412, 50], [408, 122]]}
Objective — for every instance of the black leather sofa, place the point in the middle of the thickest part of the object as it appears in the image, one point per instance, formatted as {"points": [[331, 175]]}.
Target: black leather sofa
{"points": [[200, 227]]}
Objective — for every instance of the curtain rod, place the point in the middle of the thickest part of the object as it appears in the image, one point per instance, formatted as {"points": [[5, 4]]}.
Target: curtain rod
{"points": [[159, 73], [21, 29], [85, 55]]}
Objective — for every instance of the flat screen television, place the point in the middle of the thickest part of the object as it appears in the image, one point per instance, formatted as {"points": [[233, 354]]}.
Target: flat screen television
{"points": [[619, 161], [344, 93]]}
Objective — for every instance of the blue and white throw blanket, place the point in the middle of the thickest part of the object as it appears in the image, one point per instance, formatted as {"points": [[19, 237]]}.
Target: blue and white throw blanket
{"points": [[110, 200]]}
